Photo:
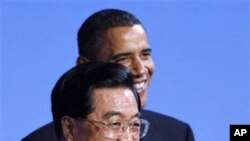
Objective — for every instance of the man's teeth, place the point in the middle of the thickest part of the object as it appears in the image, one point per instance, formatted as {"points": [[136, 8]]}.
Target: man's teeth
{"points": [[139, 86]]}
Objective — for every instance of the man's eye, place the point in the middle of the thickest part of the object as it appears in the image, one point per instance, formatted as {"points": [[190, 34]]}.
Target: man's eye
{"points": [[122, 59], [136, 124], [115, 124], [147, 54]]}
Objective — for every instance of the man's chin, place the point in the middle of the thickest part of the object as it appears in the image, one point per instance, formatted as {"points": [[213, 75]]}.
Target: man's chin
{"points": [[143, 97]]}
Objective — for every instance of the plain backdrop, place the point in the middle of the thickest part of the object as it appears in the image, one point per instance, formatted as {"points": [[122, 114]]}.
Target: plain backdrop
{"points": [[200, 48]]}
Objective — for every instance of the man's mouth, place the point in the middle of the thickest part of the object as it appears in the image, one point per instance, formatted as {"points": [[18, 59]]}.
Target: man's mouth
{"points": [[140, 86]]}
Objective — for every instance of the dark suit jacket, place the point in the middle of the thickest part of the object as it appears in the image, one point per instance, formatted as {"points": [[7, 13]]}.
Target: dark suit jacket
{"points": [[162, 128]]}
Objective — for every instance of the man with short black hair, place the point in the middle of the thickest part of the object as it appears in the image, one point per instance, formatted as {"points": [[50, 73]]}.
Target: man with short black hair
{"points": [[97, 101], [117, 36]]}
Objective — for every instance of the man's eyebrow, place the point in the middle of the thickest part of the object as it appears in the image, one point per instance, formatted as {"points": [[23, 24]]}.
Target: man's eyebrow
{"points": [[110, 114], [127, 53], [119, 55], [147, 50], [115, 113], [138, 115]]}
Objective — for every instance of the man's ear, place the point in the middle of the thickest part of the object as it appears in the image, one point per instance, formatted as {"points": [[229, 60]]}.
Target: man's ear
{"points": [[81, 60], [68, 128]]}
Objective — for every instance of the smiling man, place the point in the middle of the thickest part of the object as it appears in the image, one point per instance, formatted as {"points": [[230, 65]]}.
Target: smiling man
{"points": [[121, 40], [113, 35], [97, 102]]}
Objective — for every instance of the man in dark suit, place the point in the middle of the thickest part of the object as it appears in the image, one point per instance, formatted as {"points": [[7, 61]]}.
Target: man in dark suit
{"points": [[118, 36]]}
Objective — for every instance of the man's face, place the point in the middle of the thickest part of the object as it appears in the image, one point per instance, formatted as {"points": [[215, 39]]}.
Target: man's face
{"points": [[111, 105], [129, 46]]}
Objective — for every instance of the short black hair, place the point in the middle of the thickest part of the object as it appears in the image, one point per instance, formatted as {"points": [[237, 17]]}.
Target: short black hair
{"points": [[91, 35], [72, 94]]}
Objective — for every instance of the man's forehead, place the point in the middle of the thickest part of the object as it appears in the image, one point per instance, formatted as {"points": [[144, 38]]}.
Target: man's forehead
{"points": [[114, 99], [107, 93], [123, 40], [123, 31]]}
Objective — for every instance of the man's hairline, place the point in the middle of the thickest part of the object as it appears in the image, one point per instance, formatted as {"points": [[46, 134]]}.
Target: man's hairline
{"points": [[111, 88], [106, 40]]}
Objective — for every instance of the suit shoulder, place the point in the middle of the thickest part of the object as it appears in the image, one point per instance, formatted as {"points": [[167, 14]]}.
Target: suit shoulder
{"points": [[163, 127], [44, 133], [163, 119]]}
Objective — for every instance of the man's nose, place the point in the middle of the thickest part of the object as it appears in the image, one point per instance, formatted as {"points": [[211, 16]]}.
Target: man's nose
{"points": [[138, 67], [126, 135]]}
